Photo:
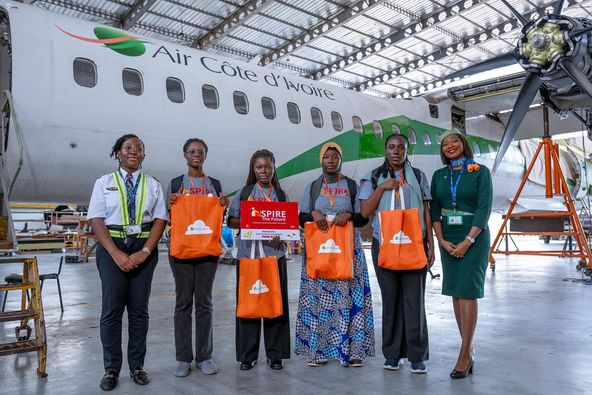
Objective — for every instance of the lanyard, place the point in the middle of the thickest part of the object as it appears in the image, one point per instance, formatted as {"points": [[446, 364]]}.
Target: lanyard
{"points": [[131, 199], [454, 187], [203, 183], [330, 196], [267, 197]]}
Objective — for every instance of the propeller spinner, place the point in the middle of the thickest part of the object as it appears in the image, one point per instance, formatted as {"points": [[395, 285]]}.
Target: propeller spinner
{"points": [[554, 52]]}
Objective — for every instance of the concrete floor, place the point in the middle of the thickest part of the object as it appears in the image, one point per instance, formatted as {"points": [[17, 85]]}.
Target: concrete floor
{"points": [[533, 337]]}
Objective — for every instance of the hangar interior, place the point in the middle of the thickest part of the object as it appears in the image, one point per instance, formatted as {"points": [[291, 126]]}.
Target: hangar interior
{"points": [[533, 326]]}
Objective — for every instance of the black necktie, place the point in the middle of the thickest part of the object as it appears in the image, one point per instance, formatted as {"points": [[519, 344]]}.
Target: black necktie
{"points": [[131, 198]]}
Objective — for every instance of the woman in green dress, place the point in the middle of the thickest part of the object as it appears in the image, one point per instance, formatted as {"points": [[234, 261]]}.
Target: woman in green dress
{"points": [[460, 208]]}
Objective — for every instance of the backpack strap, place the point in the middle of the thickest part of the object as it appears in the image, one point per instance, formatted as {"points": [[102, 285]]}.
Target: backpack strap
{"points": [[216, 184], [315, 191], [374, 177], [176, 184], [417, 173], [246, 192]]}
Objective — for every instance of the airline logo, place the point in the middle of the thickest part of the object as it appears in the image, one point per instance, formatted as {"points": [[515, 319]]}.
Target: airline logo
{"points": [[199, 227], [115, 40], [329, 247], [258, 288], [400, 238]]}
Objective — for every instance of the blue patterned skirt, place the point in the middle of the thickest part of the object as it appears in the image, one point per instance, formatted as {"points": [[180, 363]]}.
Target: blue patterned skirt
{"points": [[335, 318]]}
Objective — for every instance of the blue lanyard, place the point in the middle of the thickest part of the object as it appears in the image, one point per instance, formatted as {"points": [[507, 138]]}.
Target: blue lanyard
{"points": [[131, 199], [454, 187]]}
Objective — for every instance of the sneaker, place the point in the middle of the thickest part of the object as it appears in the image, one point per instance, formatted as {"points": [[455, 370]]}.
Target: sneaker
{"points": [[418, 367], [207, 367], [182, 369], [316, 364], [356, 363], [393, 364]]}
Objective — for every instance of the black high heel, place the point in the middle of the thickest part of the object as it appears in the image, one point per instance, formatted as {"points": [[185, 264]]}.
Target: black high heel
{"points": [[455, 374]]}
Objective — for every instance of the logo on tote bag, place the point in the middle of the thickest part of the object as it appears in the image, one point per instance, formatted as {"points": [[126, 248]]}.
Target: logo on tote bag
{"points": [[400, 238], [199, 227], [329, 247], [258, 288]]}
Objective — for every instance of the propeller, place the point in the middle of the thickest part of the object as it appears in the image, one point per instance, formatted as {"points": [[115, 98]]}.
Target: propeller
{"points": [[506, 59], [529, 89]]}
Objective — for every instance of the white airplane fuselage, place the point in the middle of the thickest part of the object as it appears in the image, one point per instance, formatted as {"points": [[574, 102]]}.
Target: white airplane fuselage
{"points": [[68, 130]]}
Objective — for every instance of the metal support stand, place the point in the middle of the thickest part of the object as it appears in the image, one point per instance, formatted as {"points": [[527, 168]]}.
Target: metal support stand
{"points": [[555, 186]]}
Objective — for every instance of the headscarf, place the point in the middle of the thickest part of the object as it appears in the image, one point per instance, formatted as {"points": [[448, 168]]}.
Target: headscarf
{"points": [[450, 132], [331, 177]]}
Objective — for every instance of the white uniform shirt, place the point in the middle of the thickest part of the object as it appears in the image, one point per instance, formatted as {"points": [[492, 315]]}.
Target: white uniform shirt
{"points": [[104, 202]]}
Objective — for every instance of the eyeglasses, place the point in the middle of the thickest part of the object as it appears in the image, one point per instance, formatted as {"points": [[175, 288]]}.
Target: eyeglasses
{"points": [[198, 152], [130, 148]]}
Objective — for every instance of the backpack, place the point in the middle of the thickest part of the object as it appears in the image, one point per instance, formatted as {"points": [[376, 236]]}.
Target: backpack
{"points": [[352, 187], [177, 181], [374, 176]]}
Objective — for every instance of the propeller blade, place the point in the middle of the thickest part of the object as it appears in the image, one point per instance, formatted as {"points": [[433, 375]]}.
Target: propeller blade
{"points": [[506, 59], [518, 15], [578, 76], [558, 7], [529, 89]]}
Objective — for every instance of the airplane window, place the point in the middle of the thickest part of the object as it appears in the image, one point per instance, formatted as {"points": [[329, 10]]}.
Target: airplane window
{"points": [[476, 149], [268, 107], [411, 136], [491, 149], [85, 72], [395, 129], [358, 125], [317, 117], [293, 113], [132, 81], [210, 97], [377, 129], [439, 138], [175, 90], [427, 140], [337, 121], [241, 103]]}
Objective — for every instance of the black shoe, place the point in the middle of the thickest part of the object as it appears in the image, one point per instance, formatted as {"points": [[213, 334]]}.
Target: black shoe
{"points": [[275, 364], [109, 381], [140, 376], [455, 374], [247, 365]]}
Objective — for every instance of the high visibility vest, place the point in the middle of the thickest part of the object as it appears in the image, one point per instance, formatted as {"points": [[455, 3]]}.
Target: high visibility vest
{"points": [[140, 200]]}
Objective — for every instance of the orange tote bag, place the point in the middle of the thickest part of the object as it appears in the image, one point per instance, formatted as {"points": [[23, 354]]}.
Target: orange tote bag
{"points": [[196, 227], [329, 255], [401, 244], [259, 288]]}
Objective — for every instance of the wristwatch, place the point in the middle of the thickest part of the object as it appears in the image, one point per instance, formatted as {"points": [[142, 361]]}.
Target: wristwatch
{"points": [[147, 250], [471, 239]]}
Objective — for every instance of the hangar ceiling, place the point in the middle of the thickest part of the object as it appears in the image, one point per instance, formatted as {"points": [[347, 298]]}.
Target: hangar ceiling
{"points": [[388, 48]]}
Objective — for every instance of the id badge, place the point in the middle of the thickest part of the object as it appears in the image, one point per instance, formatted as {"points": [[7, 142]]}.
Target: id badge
{"points": [[330, 217], [454, 219], [133, 229]]}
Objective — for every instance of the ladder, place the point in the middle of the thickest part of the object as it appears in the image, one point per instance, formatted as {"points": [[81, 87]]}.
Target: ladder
{"points": [[31, 309]]}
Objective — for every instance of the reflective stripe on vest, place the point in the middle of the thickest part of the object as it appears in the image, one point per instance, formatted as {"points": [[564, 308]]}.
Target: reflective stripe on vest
{"points": [[141, 202]]}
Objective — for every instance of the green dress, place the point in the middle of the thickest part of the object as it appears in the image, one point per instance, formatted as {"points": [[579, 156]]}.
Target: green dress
{"points": [[464, 277]]}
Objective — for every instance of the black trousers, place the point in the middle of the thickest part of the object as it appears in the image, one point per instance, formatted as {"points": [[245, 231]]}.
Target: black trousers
{"points": [[121, 291], [194, 280], [404, 326], [276, 331]]}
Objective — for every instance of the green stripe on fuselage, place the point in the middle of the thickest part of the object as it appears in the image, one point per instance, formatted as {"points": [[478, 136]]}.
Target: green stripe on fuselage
{"points": [[369, 146]]}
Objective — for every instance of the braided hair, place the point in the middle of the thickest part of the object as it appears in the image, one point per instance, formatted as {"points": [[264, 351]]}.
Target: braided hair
{"points": [[384, 169], [119, 143], [252, 178]]}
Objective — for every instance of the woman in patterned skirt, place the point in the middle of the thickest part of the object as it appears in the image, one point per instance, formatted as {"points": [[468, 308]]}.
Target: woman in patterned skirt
{"points": [[335, 318]]}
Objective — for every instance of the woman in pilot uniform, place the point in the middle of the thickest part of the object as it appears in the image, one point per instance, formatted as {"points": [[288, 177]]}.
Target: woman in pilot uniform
{"points": [[128, 215]]}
